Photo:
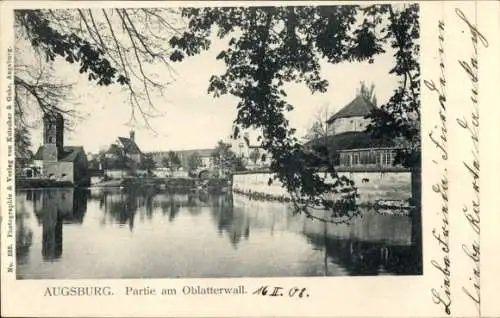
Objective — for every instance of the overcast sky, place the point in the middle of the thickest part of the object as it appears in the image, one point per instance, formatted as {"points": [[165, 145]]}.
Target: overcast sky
{"points": [[191, 118]]}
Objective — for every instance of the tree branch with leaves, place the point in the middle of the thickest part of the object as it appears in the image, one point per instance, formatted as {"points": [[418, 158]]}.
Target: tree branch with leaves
{"points": [[270, 46], [111, 46]]}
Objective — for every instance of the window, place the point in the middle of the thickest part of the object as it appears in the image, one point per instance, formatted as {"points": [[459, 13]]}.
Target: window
{"points": [[344, 159], [372, 158], [355, 158], [392, 156], [386, 158], [365, 157]]}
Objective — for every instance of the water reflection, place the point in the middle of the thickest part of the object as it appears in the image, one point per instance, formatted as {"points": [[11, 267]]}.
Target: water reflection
{"points": [[24, 235], [231, 220], [80, 234], [51, 208]]}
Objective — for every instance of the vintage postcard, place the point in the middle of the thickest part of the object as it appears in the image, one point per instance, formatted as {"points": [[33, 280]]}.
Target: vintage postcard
{"points": [[253, 159]]}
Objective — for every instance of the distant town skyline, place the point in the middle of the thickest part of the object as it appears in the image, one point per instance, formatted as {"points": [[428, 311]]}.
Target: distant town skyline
{"points": [[190, 118]]}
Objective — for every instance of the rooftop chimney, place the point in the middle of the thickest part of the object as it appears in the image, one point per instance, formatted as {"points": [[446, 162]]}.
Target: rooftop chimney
{"points": [[132, 135]]}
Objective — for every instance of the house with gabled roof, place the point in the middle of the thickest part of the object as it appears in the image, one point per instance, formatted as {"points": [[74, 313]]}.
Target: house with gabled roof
{"points": [[128, 147], [59, 162], [350, 145]]}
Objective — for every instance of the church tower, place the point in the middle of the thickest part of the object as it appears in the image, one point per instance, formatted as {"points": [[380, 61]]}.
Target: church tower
{"points": [[53, 128]]}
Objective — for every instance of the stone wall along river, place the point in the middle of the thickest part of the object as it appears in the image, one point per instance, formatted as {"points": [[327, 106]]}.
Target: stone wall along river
{"points": [[372, 186]]}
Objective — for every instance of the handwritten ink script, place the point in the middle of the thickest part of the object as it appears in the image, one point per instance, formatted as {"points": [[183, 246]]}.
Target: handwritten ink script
{"points": [[279, 291], [441, 295], [470, 123]]}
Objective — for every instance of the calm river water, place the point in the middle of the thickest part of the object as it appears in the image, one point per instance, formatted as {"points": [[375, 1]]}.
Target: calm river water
{"points": [[134, 233]]}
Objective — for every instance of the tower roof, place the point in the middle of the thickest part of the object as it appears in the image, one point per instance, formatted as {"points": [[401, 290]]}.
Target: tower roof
{"points": [[359, 106], [129, 145]]}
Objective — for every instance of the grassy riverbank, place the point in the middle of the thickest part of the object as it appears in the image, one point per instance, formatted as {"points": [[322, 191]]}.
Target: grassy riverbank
{"points": [[155, 182], [165, 183], [33, 183]]}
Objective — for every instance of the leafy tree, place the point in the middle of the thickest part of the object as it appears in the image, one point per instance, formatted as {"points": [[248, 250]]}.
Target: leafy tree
{"points": [[147, 163], [165, 162], [37, 92], [94, 162], [267, 48], [108, 45], [225, 160], [254, 155], [22, 141], [399, 118], [173, 159], [270, 46], [237, 163], [194, 161], [118, 160]]}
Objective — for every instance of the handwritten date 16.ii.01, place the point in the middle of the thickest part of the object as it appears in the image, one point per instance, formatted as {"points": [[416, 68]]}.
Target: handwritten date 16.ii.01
{"points": [[277, 291]]}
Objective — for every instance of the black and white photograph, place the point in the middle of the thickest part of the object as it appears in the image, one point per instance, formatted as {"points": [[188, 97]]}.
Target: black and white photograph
{"points": [[218, 141]]}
